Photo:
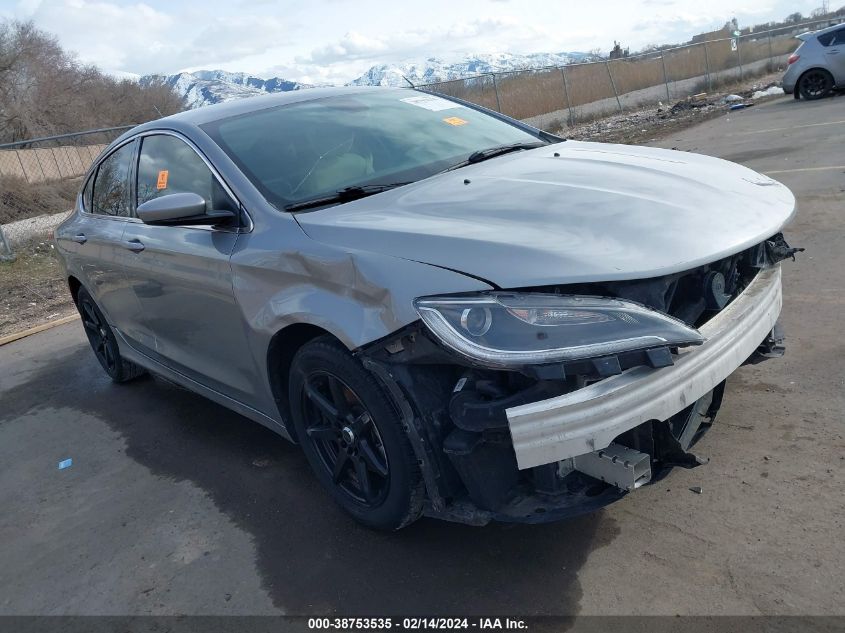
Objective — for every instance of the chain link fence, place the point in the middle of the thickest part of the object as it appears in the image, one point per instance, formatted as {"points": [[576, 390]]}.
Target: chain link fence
{"points": [[559, 96], [37, 174], [40, 177]]}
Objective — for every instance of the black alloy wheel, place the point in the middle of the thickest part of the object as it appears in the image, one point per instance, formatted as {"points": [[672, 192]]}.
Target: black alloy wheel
{"points": [[346, 439], [102, 340], [353, 436], [815, 84]]}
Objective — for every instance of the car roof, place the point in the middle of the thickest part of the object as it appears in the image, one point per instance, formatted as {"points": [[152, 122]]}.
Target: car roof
{"points": [[826, 29], [216, 112]]}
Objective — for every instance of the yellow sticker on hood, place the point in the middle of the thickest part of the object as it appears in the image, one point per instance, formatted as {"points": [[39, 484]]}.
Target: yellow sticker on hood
{"points": [[454, 120]]}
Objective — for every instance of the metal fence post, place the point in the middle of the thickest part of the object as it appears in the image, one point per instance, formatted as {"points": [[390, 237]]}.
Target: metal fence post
{"points": [[665, 76], [771, 56], [568, 98], [707, 68], [6, 254], [496, 90], [40, 166], [613, 84], [25, 175]]}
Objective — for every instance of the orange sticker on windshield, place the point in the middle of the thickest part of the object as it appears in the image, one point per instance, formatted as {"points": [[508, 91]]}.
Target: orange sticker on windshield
{"points": [[162, 179], [453, 120]]}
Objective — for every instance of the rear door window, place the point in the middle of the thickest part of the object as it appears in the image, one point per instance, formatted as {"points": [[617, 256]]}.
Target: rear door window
{"points": [[832, 38], [111, 184], [167, 165]]}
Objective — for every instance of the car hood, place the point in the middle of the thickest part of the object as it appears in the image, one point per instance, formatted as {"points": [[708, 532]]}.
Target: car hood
{"points": [[566, 213]]}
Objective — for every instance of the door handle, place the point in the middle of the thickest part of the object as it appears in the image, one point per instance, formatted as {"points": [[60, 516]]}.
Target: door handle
{"points": [[79, 238], [136, 246]]}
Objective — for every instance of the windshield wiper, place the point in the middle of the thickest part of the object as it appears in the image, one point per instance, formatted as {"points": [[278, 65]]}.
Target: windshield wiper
{"points": [[492, 152], [344, 195]]}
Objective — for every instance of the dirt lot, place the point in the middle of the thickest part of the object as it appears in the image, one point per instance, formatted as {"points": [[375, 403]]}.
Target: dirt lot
{"points": [[174, 505], [32, 290]]}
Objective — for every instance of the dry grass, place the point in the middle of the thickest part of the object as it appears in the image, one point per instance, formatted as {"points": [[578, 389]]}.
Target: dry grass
{"points": [[524, 94]]}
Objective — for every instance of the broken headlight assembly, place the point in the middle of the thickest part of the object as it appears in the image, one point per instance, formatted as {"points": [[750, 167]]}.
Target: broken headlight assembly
{"points": [[514, 329]]}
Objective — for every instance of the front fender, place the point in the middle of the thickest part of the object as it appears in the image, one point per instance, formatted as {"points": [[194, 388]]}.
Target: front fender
{"points": [[358, 297]]}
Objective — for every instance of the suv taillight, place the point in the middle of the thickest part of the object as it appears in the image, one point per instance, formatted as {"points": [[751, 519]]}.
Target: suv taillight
{"points": [[793, 58]]}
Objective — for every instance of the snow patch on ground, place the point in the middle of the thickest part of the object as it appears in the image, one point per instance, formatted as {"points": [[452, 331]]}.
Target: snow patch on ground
{"points": [[40, 226]]}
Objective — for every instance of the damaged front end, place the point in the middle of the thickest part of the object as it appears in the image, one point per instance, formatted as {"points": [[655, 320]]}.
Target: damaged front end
{"points": [[541, 403]]}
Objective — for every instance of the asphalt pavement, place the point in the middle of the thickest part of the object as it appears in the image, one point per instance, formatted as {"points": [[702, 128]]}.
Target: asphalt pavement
{"points": [[174, 505]]}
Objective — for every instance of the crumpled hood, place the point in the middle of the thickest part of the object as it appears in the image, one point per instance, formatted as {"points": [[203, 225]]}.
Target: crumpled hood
{"points": [[593, 212]]}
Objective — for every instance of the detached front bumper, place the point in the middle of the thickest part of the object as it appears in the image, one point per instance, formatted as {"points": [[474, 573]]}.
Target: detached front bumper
{"points": [[590, 418]]}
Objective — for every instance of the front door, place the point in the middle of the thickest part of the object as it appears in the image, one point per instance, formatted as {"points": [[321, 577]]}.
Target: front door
{"points": [[182, 277]]}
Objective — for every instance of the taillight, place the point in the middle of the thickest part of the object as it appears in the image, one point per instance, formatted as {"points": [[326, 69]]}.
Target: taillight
{"points": [[793, 58]]}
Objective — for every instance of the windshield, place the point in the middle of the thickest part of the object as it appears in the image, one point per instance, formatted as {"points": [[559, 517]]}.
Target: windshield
{"points": [[313, 149]]}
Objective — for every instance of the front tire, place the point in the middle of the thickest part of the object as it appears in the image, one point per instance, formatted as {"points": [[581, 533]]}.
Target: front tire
{"points": [[815, 84], [353, 437], [102, 340]]}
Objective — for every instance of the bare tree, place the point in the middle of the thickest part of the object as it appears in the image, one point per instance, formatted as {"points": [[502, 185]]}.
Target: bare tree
{"points": [[45, 90]]}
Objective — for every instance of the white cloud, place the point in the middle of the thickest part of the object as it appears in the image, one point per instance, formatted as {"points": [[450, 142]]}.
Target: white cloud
{"points": [[336, 40], [353, 45]]}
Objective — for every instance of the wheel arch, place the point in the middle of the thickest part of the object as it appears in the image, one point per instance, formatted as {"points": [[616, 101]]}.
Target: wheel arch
{"points": [[280, 352], [74, 285]]}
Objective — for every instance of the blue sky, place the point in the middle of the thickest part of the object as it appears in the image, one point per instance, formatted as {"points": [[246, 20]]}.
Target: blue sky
{"points": [[337, 40]]}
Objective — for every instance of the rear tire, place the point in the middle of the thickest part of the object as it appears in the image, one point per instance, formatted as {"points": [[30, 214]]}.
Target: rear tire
{"points": [[353, 437], [103, 342], [814, 84]]}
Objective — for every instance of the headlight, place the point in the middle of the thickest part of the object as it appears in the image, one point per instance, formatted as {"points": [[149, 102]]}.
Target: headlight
{"points": [[510, 329]]}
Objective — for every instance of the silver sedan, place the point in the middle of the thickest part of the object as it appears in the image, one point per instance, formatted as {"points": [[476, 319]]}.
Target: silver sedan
{"points": [[454, 314]]}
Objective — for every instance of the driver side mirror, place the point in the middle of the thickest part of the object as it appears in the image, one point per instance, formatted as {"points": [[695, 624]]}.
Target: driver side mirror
{"points": [[181, 208]]}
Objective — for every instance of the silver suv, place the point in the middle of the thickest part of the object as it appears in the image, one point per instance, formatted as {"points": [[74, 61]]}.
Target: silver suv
{"points": [[817, 66], [453, 313]]}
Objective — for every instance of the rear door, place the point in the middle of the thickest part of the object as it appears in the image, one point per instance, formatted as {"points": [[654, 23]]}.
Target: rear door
{"points": [[835, 56], [182, 277], [93, 240]]}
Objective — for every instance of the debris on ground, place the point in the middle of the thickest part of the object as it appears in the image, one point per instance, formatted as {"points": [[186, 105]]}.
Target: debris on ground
{"points": [[649, 123], [771, 91], [696, 489], [65, 463]]}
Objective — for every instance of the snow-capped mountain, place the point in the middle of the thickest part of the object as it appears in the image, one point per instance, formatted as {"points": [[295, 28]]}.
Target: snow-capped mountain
{"points": [[433, 69], [204, 87]]}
